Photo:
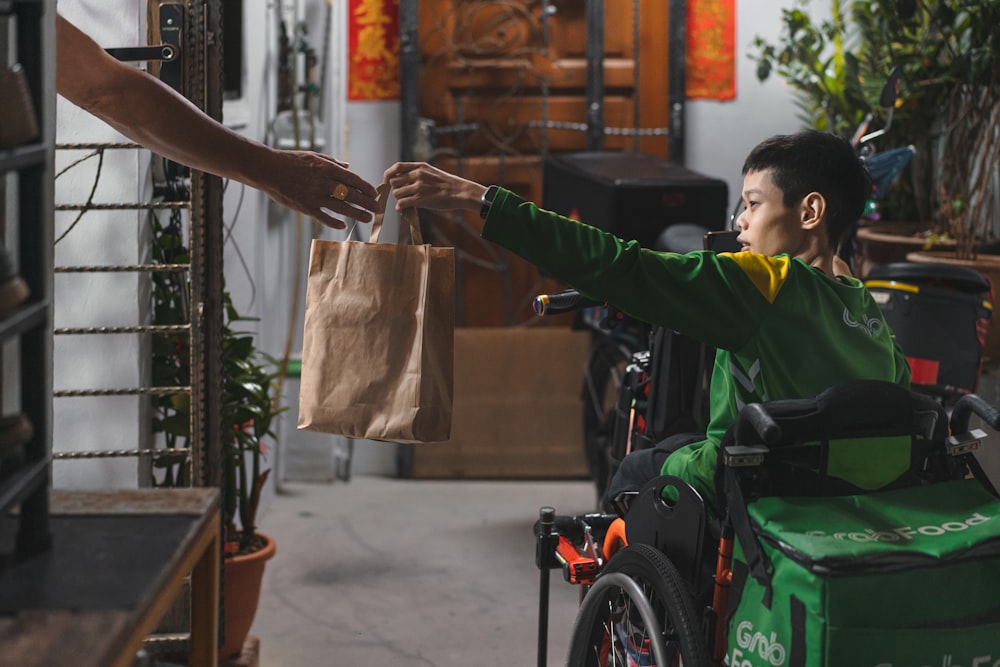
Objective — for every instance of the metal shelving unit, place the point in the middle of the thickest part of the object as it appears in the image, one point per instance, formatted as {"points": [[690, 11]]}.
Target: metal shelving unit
{"points": [[85, 580], [28, 170]]}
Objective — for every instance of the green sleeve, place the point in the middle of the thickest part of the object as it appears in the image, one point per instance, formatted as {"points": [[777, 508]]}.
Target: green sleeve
{"points": [[701, 294], [695, 464]]}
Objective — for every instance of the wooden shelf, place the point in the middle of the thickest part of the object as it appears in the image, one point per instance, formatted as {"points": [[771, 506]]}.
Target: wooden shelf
{"points": [[117, 561]]}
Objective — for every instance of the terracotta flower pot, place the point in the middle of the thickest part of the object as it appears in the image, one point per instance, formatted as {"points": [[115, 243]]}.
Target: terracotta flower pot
{"points": [[887, 242], [242, 576], [989, 266]]}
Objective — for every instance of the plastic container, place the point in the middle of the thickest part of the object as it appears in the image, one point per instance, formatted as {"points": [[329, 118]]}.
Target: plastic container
{"points": [[940, 315]]}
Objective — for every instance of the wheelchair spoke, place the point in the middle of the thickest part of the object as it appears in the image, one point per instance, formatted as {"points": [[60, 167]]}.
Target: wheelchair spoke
{"points": [[636, 616]]}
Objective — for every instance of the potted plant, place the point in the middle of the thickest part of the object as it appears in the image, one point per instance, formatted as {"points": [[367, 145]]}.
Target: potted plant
{"points": [[948, 108], [249, 407], [949, 55]]}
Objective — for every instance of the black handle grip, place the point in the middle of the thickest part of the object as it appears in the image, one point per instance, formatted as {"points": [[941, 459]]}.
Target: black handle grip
{"points": [[756, 423], [969, 405], [561, 302]]}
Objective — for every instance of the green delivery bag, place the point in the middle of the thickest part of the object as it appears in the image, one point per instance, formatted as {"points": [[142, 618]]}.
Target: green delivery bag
{"points": [[903, 578]]}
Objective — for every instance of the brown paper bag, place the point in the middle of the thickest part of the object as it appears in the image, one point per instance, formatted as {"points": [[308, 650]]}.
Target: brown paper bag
{"points": [[378, 340]]}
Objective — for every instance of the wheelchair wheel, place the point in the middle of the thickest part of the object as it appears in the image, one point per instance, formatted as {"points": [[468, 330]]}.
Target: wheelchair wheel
{"points": [[638, 612]]}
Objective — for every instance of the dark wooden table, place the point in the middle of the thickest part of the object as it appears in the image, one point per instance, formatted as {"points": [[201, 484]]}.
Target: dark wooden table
{"points": [[118, 560]]}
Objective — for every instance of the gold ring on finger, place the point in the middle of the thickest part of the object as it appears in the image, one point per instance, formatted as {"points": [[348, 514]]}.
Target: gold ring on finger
{"points": [[340, 192]]}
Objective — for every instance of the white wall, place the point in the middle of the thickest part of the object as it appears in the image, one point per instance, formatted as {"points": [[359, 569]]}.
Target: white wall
{"points": [[266, 248], [719, 135], [107, 361], [365, 134]]}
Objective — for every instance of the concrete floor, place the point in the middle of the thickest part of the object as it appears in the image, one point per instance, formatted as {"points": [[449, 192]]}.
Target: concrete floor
{"points": [[382, 571]]}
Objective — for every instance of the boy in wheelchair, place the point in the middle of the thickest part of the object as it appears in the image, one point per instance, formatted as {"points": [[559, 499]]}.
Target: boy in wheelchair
{"points": [[787, 326]]}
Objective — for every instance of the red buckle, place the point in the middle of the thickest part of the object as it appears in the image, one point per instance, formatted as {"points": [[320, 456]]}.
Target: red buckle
{"points": [[577, 568]]}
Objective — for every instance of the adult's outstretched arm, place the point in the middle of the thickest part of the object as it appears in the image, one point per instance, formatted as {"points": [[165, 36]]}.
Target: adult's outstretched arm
{"points": [[155, 116]]}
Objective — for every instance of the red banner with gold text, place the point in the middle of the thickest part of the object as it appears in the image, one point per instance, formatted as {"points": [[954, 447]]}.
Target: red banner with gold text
{"points": [[373, 50], [711, 49]]}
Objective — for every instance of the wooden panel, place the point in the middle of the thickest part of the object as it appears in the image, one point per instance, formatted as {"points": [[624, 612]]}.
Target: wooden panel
{"points": [[499, 50], [654, 99], [487, 29], [500, 79], [569, 34], [518, 407], [497, 285], [561, 74], [504, 124]]}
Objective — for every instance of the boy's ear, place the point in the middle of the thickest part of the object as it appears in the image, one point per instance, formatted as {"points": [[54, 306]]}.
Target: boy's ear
{"points": [[813, 210]]}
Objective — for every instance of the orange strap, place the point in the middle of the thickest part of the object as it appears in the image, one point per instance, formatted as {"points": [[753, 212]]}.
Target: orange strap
{"points": [[614, 539]]}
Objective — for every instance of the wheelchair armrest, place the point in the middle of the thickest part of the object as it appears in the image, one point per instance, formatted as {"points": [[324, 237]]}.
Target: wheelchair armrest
{"points": [[972, 404], [755, 424]]}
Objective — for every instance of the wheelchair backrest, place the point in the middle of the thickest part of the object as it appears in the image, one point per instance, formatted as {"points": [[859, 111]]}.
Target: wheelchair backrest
{"points": [[678, 387]]}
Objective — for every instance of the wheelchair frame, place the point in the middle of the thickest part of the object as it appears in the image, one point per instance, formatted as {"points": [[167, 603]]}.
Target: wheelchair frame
{"points": [[673, 540]]}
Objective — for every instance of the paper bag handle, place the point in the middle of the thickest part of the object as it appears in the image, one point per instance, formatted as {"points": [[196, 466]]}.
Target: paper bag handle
{"points": [[407, 220]]}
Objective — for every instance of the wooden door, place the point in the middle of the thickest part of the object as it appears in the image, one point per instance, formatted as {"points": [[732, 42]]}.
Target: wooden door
{"points": [[505, 84]]}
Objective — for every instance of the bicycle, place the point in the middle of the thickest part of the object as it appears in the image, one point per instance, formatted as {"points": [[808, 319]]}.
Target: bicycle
{"points": [[883, 167], [641, 384], [616, 339]]}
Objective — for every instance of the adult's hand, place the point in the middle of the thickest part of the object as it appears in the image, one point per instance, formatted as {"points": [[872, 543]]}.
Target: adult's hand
{"points": [[310, 183]]}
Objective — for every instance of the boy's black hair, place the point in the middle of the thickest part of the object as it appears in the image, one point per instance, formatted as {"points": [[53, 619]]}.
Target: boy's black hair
{"points": [[814, 161]]}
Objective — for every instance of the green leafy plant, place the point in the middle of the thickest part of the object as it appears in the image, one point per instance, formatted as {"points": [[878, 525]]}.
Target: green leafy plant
{"points": [[812, 57], [949, 107], [249, 405]]}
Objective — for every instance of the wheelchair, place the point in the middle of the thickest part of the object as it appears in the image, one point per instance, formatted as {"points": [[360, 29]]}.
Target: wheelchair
{"points": [[667, 580]]}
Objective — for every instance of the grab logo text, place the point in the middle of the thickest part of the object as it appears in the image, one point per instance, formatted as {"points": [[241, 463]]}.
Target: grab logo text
{"points": [[754, 648], [905, 533]]}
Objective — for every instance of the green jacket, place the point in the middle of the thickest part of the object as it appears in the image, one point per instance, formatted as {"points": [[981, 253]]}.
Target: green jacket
{"points": [[782, 328]]}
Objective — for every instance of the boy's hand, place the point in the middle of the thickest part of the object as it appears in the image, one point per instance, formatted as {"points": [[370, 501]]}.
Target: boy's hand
{"points": [[420, 185]]}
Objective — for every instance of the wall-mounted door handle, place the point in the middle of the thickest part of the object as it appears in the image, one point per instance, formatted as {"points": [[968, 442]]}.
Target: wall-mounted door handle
{"points": [[161, 52]]}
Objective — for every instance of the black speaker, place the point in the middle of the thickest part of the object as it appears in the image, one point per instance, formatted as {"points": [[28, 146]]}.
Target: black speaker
{"points": [[632, 195]]}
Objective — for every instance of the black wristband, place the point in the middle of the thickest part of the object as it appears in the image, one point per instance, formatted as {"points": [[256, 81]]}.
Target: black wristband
{"points": [[488, 196]]}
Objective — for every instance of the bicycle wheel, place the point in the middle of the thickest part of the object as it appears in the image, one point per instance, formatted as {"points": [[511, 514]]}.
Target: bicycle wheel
{"points": [[638, 612], [602, 383]]}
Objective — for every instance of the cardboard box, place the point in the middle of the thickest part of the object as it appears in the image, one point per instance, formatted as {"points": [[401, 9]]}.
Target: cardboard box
{"points": [[518, 407]]}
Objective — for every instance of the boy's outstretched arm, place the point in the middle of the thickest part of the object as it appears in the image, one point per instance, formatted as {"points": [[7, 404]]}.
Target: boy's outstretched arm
{"points": [[153, 115]]}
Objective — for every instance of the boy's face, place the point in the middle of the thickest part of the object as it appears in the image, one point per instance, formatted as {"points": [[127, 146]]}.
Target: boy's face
{"points": [[766, 225]]}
